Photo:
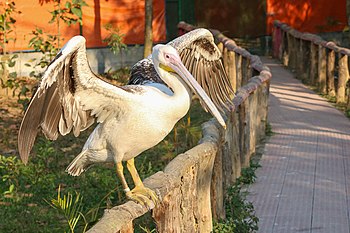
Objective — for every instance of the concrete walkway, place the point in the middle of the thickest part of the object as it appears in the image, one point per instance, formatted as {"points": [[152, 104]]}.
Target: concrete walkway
{"points": [[304, 182]]}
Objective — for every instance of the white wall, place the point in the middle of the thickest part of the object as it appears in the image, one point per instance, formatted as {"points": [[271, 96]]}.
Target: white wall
{"points": [[101, 59]]}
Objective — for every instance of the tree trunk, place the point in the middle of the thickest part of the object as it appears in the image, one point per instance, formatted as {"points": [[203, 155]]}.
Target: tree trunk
{"points": [[148, 28]]}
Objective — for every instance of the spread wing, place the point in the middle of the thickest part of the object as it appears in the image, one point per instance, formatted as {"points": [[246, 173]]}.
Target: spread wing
{"points": [[203, 59], [70, 98]]}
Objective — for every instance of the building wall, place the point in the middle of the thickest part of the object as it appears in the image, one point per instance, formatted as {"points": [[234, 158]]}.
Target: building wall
{"points": [[254, 18], [312, 16], [238, 18], [127, 15]]}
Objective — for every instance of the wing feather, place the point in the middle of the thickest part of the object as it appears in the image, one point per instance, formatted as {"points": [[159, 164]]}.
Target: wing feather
{"points": [[199, 52], [69, 99], [203, 60]]}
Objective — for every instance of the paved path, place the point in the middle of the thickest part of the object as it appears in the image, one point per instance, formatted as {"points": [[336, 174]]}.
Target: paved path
{"points": [[304, 182]]}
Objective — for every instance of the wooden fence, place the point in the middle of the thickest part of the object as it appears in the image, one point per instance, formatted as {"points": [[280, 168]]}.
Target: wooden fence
{"points": [[192, 186], [318, 62]]}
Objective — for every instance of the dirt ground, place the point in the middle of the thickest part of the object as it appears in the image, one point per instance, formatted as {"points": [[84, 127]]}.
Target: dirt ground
{"points": [[11, 114]]}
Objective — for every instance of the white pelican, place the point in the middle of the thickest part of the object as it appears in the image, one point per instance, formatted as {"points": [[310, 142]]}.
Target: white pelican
{"points": [[131, 118]]}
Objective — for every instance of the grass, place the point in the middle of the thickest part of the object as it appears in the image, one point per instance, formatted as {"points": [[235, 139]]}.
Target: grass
{"points": [[27, 192]]}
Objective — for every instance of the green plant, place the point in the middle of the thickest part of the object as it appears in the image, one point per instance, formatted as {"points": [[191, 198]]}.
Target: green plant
{"points": [[49, 44], [240, 215], [70, 14], [9, 171], [7, 22], [114, 39], [268, 130], [70, 206]]}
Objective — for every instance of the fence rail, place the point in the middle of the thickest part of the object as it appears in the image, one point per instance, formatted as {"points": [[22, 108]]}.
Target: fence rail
{"points": [[318, 62], [192, 186]]}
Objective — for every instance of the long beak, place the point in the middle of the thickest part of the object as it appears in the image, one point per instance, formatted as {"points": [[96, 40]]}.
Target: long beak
{"points": [[181, 70]]}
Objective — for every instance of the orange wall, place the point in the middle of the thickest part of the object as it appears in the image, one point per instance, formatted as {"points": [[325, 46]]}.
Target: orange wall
{"points": [[128, 15], [312, 16]]}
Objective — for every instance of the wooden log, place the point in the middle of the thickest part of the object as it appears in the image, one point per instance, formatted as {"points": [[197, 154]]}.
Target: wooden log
{"points": [[290, 51], [220, 46], [343, 77], [285, 51], [193, 170], [128, 228], [231, 69], [322, 69], [238, 70], [234, 146], [217, 188], [330, 72], [244, 133], [262, 97], [299, 59], [231, 152], [277, 41], [253, 118], [313, 63], [225, 58], [246, 70]]}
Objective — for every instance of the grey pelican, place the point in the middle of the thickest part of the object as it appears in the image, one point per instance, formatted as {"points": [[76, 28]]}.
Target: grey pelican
{"points": [[131, 118]]}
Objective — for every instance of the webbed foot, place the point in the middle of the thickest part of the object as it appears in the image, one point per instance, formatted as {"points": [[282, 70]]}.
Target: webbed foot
{"points": [[143, 196]]}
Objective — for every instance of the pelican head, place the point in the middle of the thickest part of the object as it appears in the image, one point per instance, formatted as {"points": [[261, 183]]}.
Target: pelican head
{"points": [[165, 57]]}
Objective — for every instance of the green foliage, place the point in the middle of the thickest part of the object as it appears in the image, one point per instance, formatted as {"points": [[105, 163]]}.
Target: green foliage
{"points": [[268, 130], [46, 44], [70, 206], [114, 39], [7, 22], [9, 171], [49, 44], [240, 215], [70, 13]]}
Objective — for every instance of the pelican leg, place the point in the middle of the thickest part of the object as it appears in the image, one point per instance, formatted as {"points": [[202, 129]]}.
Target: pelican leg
{"points": [[120, 173], [140, 189], [143, 200]]}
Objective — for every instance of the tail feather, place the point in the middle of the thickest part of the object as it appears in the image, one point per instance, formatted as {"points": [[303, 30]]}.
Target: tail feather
{"points": [[79, 164]]}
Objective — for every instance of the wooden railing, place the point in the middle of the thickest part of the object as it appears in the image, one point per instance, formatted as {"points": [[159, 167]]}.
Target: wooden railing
{"points": [[192, 186], [318, 62]]}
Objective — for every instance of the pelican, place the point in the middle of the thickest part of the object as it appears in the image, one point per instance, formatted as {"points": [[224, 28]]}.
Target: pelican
{"points": [[131, 118]]}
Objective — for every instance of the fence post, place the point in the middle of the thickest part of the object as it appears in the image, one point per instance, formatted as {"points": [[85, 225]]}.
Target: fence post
{"points": [[313, 63], [322, 69], [291, 48], [300, 59], [253, 105], [231, 69], [238, 71], [285, 49], [246, 71], [343, 77], [330, 72], [220, 47], [277, 41]]}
